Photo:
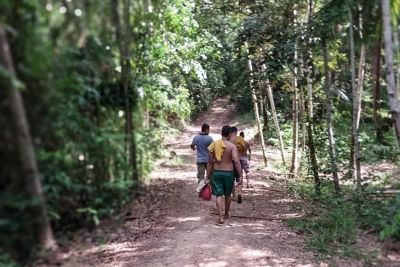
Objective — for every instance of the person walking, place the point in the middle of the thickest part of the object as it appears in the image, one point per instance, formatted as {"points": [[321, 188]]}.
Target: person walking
{"points": [[244, 156], [200, 143], [220, 171], [237, 189]]}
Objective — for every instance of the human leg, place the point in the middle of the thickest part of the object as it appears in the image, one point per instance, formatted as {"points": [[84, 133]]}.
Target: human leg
{"points": [[201, 170], [217, 183], [220, 208], [229, 183], [228, 201], [244, 162]]}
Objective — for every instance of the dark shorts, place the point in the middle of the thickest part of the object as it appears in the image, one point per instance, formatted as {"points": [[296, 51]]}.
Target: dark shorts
{"points": [[244, 162], [222, 183]]}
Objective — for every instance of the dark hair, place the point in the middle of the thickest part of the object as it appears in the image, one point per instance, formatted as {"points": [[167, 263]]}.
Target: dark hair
{"points": [[205, 127], [241, 134], [225, 131], [233, 129]]}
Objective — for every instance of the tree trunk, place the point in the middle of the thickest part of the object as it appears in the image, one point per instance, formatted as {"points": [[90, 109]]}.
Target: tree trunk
{"points": [[123, 41], [25, 146], [268, 94], [355, 157], [302, 114], [260, 100], [390, 80], [310, 134], [329, 118], [353, 89], [309, 101], [255, 104], [295, 110], [357, 115], [265, 108], [376, 69], [303, 123], [295, 118], [274, 116], [396, 50]]}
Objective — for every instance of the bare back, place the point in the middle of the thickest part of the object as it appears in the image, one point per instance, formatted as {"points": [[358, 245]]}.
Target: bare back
{"points": [[244, 153], [228, 156]]}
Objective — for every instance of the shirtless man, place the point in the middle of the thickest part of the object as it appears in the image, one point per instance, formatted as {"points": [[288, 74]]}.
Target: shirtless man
{"points": [[238, 186], [245, 158], [222, 153]]}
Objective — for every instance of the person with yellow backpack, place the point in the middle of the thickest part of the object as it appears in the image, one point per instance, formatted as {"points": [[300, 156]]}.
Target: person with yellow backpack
{"points": [[244, 157], [242, 147]]}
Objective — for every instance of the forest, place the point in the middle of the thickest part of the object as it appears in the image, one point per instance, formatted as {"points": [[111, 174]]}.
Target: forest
{"points": [[92, 93]]}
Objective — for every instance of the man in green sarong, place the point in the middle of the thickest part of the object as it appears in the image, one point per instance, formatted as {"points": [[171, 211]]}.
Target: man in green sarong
{"points": [[222, 153]]}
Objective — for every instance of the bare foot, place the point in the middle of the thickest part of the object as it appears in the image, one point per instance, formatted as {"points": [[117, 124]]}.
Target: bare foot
{"points": [[221, 221]]}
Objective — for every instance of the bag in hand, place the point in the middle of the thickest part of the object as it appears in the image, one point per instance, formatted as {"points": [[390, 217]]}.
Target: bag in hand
{"points": [[200, 186], [205, 193]]}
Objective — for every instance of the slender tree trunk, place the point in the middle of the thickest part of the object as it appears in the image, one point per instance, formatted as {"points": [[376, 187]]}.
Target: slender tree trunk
{"points": [[376, 69], [275, 117], [357, 115], [25, 146], [302, 115], [123, 41], [303, 123], [130, 102], [276, 122], [260, 99], [390, 80], [329, 118], [264, 96], [255, 104], [353, 89], [396, 67], [310, 134], [355, 157], [295, 110], [309, 101], [295, 121]]}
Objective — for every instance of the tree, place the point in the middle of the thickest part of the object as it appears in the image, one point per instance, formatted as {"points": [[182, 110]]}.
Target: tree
{"points": [[376, 69], [23, 140], [124, 41], [295, 108], [307, 61], [390, 80], [255, 104], [275, 118], [329, 117]]}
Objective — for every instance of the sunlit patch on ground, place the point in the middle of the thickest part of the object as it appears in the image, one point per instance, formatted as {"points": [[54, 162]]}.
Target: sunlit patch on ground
{"points": [[185, 219]]}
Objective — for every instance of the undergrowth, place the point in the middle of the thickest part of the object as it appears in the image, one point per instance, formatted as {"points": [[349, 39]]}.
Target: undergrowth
{"points": [[332, 222]]}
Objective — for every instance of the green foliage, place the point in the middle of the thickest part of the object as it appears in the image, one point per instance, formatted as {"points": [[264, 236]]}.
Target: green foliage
{"points": [[332, 221], [333, 232], [6, 261], [181, 55], [68, 63], [392, 229], [383, 216], [331, 225]]}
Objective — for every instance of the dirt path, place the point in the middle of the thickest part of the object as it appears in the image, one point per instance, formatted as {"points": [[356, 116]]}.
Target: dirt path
{"points": [[170, 226]]}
